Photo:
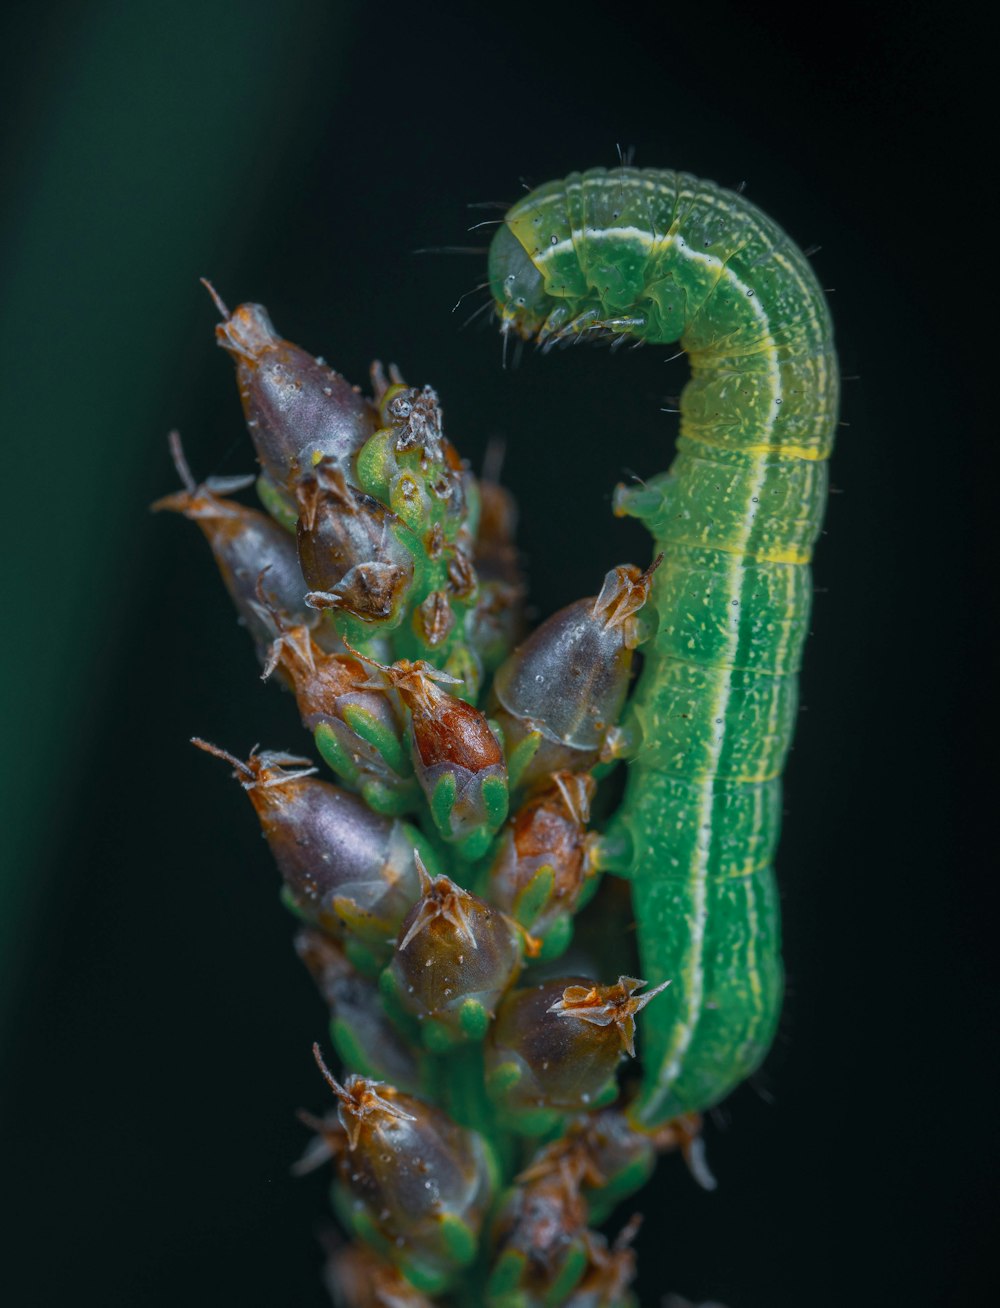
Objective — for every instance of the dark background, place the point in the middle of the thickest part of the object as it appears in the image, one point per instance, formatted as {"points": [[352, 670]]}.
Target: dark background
{"points": [[157, 1025]]}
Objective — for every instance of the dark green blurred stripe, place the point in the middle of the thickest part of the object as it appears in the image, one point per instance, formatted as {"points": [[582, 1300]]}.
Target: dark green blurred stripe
{"points": [[150, 140]]}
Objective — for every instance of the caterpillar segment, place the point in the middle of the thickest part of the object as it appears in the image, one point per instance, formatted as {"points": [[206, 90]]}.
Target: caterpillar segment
{"points": [[662, 257]]}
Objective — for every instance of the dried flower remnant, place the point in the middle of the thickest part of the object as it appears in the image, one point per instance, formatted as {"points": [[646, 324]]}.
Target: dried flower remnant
{"points": [[611, 1159], [540, 1238], [609, 1272]]}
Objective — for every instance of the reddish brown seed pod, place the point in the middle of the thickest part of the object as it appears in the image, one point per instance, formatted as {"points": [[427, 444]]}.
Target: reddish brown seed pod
{"points": [[455, 957], [560, 693], [349, 553], [541, 866], [557, 1045], [415, 1184], [457, 758], [322, 682], [244, 542], [342, 865], [297, 409]]}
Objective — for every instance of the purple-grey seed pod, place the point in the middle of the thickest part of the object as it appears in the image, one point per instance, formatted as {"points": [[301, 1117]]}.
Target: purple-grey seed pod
{"points": [[456, 956], [350, 557], [569, 679], [245, 543], [610, 1146], [297, 409], [558, 1044], [421, 1180], [343, 865], [363, 1034], [543, 848]]}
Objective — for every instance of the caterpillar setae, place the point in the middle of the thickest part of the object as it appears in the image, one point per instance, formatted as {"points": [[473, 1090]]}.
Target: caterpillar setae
{"points": [[660, 257]]}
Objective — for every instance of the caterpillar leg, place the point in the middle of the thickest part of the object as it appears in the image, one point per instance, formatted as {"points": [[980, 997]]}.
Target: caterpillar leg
{"points": [[612, 851]]}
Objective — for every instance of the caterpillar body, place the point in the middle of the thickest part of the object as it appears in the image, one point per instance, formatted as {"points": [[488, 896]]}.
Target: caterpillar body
{"points": [[661, 257]]}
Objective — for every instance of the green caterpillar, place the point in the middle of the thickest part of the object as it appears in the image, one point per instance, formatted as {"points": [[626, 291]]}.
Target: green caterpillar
{"points": [[661, 257]]}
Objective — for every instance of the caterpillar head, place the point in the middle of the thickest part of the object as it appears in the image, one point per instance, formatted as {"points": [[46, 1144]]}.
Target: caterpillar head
{"points": [[517, 286]]}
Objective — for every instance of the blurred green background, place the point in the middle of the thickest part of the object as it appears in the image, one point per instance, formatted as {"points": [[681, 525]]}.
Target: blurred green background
{"points": [[156, 1025]]}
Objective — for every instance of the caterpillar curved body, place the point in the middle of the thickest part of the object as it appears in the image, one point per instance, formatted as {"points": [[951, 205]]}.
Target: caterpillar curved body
{"points": [[662, 257]]}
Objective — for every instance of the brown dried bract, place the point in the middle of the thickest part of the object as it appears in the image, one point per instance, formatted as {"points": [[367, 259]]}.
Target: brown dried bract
{"points": [[363, 1103], [623, 594], [462, 576], [434, 619], [607, 1005], [442, 901], [261, 771]]}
